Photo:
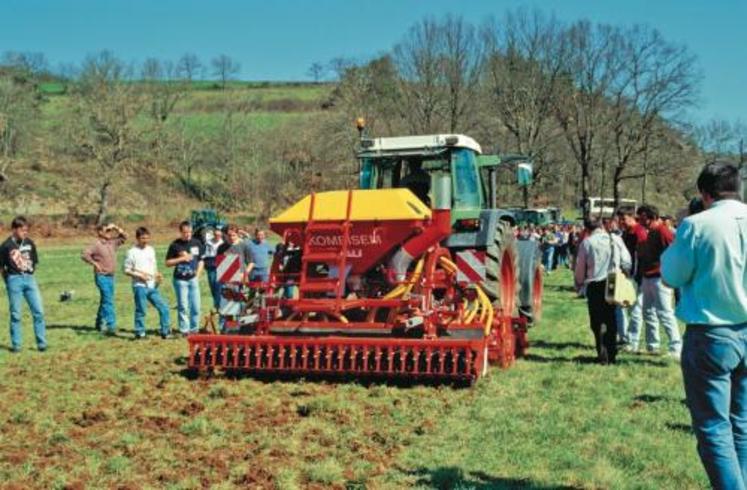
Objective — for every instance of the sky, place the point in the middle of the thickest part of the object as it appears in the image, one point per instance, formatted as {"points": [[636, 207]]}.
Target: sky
{"points": [[279, 39]]}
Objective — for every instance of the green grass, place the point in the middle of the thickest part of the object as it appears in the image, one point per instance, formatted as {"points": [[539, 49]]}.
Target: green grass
{"points": [[110, 412]]}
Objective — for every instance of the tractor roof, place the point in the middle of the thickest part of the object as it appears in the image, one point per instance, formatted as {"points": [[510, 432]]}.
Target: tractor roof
{"points": [[417, 145]]}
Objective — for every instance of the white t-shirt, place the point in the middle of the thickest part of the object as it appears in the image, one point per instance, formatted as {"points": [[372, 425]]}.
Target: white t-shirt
{"points": [[211, 247], [142, 260]]}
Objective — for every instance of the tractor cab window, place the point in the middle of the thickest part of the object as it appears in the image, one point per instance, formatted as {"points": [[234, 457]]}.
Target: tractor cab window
{"points": [[466, 185], [367, 173], [418, 180]]}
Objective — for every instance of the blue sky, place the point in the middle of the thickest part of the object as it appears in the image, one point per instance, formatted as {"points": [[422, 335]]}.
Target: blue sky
{"points": [[279, 39]]}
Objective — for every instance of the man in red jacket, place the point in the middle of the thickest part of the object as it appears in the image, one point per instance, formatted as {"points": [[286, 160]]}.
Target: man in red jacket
{"points": [[658, 306], [630, 320]]}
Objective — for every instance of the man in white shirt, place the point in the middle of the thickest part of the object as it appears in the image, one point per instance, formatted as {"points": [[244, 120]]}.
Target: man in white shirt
{"points": [[212, 244], [140, 264], [598, 255]]}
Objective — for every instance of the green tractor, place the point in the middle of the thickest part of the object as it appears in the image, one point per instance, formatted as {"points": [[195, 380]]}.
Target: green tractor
{"points": [[537, 216], [483, 239]]}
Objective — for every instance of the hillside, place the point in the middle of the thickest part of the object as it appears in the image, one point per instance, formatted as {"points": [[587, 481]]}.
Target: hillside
{"points": [[46, 183]]}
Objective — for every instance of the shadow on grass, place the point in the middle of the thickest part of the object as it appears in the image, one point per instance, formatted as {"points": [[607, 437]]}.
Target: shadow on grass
{"points": [[593, 360], [77, 328], [543, 344], [686, 428], [560, 288], [647, 398], [90, 331], [451, 477], [366, 381]]}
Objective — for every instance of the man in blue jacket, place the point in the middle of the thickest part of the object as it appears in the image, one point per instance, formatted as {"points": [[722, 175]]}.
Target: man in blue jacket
{"points": [[708, 262]]}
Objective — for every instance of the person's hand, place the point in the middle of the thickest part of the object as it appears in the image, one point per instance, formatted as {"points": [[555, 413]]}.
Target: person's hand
{"points": [[97, 268], [186, 256]]}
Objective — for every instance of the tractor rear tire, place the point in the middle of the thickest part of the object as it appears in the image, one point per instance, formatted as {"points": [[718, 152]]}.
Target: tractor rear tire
{"points": [[502, 270], [531, 280]]}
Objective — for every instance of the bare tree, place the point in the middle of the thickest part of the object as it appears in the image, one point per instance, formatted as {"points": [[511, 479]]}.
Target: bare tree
{"points": [[440, 65], [418, 58], [162, 88], [524, 74], [31, 62], [104, 130], [225, 68], [582, 108], [338, 66], [152, 70], [462, 64], [316, 71], [189, 67], [657, 80], [19, 107]]}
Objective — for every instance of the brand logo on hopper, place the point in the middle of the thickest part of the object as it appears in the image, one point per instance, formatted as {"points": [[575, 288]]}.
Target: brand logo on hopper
{"points": [[360, 240]]}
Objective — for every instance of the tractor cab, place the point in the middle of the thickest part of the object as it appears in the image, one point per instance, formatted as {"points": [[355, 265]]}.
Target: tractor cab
{"points": [[416, 162], [419, 162]]}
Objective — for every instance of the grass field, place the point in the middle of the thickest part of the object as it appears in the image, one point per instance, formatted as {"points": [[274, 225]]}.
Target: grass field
{"points": [[97, 412]]}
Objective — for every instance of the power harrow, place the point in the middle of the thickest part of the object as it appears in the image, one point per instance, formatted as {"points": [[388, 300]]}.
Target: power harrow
{"points": [[362, 285]]}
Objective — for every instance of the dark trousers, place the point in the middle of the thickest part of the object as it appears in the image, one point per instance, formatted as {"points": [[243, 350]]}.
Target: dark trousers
{"points": [[603, 322]]}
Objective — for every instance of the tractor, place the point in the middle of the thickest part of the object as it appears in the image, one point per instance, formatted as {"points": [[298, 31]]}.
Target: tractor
{"points": [[416, 275]]}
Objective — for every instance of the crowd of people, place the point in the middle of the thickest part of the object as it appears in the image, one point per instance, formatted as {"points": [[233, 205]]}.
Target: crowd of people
{"points": [[187, 255], [699, 265]]}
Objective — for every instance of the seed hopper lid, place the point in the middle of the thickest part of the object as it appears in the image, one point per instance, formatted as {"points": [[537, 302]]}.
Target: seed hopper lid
{"points": [[367, 205]]}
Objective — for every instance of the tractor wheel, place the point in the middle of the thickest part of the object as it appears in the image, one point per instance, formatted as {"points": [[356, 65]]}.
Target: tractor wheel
{"points": [[502, 270], [531, 280]]}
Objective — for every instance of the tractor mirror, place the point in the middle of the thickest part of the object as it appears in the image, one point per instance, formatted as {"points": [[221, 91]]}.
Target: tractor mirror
{"points": [[524, 174]]}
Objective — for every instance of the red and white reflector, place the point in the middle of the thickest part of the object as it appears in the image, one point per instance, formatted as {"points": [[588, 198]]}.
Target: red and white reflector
{"points": [[228, 268], [470, 266]]}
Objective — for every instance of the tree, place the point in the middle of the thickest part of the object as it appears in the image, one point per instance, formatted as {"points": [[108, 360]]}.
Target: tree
{"points": [[225, 68], [162, 88], [524, 73], [419, 63], [440, 65], [189, 67], [339, 66], [656, 80], [582, 108], [316, 71], [33, 63], [104, 130], [19, 108]]}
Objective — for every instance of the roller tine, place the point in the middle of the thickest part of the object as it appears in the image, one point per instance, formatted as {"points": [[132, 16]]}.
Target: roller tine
{"points": [[428, 356], [377, 359], [304, 357], [328, 357], [317, 353], [391, 360], [248, 350]]}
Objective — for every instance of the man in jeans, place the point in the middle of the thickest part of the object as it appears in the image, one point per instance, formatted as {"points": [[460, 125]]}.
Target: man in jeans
{"points": [[630, 320], [102, 255], [260, 254], [707, 262], [18, 261], [140, 265], [658, 298], [185, 255], [598, 255], [212, 245]]}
